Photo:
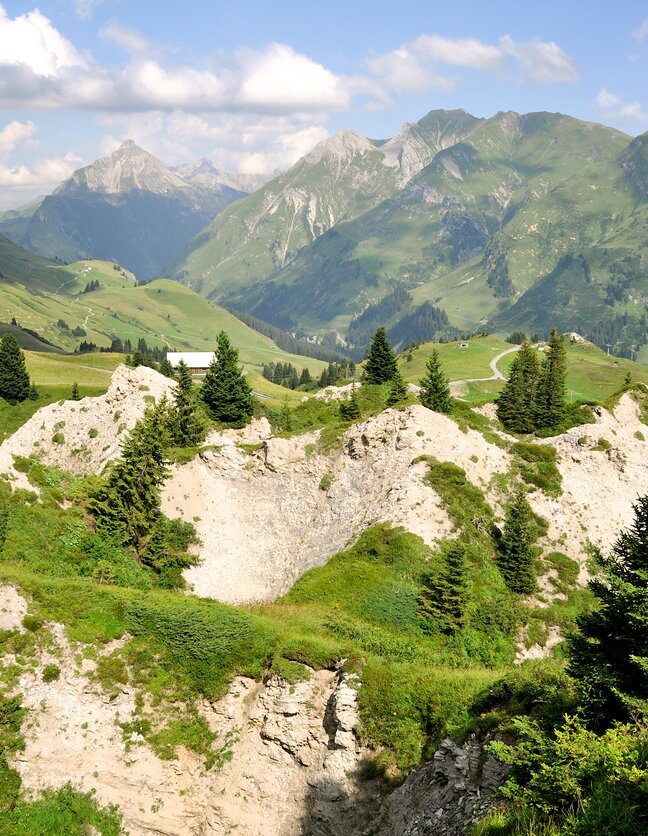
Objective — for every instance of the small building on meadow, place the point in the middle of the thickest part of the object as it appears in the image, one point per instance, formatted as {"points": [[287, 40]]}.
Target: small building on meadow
{"points": [[198, 361]]}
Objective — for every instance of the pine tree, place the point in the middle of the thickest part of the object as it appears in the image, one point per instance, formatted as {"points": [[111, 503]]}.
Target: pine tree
{"points": [[225, 391], [185, 426], [381, 363], [127, 503], [435, 391], [608, 656], [397, 390], [305, 377], [517, 402], [14, 380], [516, 553], [76, 395], [443, 597], [551, 404], [4, 522], [166, 369], [350, 410]]}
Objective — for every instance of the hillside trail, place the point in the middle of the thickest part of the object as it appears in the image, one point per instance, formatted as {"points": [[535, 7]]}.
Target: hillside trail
{"points": [[497, 374]]}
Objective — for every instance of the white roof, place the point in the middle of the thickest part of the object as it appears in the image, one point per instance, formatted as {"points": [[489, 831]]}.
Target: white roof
{"points": [[193, 359]]}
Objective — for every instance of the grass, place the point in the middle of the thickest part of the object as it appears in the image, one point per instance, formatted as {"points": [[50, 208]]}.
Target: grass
{"points": [[536, 464]]}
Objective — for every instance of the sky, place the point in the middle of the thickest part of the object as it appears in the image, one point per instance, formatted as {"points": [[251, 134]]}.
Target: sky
{"points": [[255, 85]]}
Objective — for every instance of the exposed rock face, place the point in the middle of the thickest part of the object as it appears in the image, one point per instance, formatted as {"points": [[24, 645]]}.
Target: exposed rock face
{"points": [[294, 755], [447, 795], [83, 436], [266, 518]]}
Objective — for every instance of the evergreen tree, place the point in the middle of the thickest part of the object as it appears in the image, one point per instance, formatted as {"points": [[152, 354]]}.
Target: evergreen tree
{"points": [[185, 426], [127, 502], [443, 597], [76, 395], [609, 654], [516, 552], [381, 363], [225, 391], [332, 374], [435, 391], [305, 377], [293, 378], [33, 393], [517, 402], [350, 410], [166, 369], [4, 522], [397, 390], [551, 404], [14, 380]]}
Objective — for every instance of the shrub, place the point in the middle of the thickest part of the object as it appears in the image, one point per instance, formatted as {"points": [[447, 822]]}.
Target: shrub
{"points": [[51, 672]]}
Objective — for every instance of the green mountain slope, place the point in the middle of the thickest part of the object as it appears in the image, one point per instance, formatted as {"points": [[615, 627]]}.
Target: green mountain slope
{"points": [[494, 216], [342, 177]]}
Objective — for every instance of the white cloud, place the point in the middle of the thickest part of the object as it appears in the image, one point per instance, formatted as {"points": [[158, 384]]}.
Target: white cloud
{"points": [[459, 52], [616, 108], [21, 183], [640, 33], [15, 134], [130, 40], [605, 98], [30, 41], [85, 8], [542, 62]]}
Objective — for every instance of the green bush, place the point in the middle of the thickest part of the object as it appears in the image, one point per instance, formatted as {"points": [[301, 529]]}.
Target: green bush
{"points": [[51, 672], [537, 466]]}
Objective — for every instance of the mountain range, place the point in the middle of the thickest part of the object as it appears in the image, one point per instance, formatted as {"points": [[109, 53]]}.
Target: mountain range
{"points": [[454, 225], [127, 207]]}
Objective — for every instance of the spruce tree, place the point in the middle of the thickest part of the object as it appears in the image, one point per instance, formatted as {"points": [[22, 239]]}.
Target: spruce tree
{"points": [[551, 404], [443, 598], [381, 363], [185, 427], [435, 391], [126, 504], [517, 402], [516, 553], [305, 377], [225, 392], [76, 395], [609, 654], [14, 380], [397, 390], [350, 410], [166, 369]]}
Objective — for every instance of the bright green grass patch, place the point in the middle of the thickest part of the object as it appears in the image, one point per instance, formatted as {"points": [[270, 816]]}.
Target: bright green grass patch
{"points": [[464, 502], [64, 811], [537, 466]]}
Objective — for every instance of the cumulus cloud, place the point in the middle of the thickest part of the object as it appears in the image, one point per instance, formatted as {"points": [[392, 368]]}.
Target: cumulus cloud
{"points": [[21, 183], [15, 134], [542, 62], [616, 107]]}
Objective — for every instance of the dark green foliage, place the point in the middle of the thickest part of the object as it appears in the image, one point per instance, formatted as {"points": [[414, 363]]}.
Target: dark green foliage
{"points": [[185, 427], [51, 672], [350, 409], [4, 522], [64, 811], [126, 504], [12, 715], [443, 597], [381, 363], [516, 553], [464, 502], [76, 395], [166, 369], [516, 404], [435, 391], [397, 390], [572, 781], [550, 397], [14, 379], [539, 466], [608, 654], [225, 391], [33, 393]]}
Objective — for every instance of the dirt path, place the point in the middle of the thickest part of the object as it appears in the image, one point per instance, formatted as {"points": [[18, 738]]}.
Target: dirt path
{"points": [[497, 374]]}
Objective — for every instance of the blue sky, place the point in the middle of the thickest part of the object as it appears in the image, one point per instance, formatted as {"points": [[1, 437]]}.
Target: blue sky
{"points": [[254, 85]]}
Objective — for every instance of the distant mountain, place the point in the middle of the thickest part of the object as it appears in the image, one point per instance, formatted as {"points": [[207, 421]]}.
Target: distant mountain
{"points": [[488, 219], [342, 177], [127, 207], [205, 173]]}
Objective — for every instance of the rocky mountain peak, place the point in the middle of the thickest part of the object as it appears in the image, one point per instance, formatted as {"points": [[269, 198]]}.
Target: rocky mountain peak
{"points": [[343, 145], [128, 168]]}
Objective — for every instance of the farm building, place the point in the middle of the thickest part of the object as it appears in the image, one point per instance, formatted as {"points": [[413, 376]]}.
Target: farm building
{"points": [[198, 361]]}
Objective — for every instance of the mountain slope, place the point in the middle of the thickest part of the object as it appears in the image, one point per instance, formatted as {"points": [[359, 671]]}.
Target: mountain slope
{"points": [[340, 178], [127, 207]]}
